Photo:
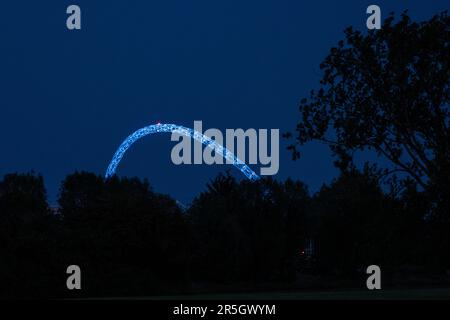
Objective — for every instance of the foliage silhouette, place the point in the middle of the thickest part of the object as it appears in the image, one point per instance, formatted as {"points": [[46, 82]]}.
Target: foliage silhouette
{"points": [[130, 241], [248, 231], [388, 91]]}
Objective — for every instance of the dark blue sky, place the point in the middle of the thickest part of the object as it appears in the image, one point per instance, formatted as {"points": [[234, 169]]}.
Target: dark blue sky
{"points": [[68, 99]]}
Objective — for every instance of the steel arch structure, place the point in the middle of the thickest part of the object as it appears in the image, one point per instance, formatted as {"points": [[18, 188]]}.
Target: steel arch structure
{"points": [[173, 128]]}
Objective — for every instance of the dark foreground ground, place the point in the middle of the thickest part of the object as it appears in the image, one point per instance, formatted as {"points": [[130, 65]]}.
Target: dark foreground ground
{"points": [[389, 294]]}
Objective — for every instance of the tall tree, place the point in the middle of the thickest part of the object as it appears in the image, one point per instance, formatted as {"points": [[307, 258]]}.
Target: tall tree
{"points": [[26, 243], [388, 91]]}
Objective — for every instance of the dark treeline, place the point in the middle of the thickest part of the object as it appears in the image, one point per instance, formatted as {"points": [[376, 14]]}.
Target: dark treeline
{"points": [[130, 241]]}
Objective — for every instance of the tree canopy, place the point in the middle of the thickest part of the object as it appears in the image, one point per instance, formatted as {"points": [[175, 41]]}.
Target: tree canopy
{"points": [[387, 91]]}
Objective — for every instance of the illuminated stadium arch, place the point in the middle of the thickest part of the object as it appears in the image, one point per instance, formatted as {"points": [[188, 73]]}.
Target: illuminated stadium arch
{"points": [[173, 128]]}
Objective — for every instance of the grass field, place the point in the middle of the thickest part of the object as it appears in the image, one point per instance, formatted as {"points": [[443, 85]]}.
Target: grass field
{"points": [[397, 294]]}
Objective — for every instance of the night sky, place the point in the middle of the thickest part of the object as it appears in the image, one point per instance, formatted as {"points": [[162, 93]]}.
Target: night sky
{"points": [[69, 98]]}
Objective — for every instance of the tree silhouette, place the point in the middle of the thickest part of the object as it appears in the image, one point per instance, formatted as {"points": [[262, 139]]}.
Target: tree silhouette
{"points": [[26, 242], [388, 91], [127, 239], [355, 223], [248, 231], [130, 241]]}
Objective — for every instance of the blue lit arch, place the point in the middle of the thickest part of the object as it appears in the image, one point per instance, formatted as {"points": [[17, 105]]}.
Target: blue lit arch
{"points": [[173, 128]]}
